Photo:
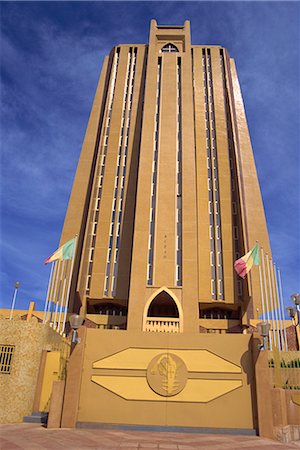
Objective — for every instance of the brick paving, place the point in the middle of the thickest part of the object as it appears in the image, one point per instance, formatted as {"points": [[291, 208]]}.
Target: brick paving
{"points": [[36, 437]]}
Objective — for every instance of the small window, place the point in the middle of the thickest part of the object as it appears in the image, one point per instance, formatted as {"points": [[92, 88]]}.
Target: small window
{"points": [[212, 259], [6, 356], [88, 283], [240, 288], [91, 254], [106, 285], [169, 48], [213, 288], [235, 233], [220, 289]]}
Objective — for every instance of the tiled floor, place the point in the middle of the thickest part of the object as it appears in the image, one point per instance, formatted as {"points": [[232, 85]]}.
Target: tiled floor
{"points": [[35, 437]]}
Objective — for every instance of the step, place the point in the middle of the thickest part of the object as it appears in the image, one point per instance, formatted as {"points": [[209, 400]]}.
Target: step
{"points": [[36, 417]]}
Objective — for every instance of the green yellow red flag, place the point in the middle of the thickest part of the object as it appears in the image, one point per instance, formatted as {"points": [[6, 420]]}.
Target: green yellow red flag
{"points": [[244, 264], [64, 252]]}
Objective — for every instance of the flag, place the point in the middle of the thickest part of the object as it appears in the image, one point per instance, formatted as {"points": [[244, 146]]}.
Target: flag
{"points": [[245, 263], [66, 251]]}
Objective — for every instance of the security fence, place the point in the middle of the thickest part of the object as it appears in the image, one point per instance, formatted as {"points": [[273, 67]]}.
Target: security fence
{"points": [[285, 369]]}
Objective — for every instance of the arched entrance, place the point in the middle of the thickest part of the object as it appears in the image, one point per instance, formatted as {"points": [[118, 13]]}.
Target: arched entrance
{"points": [[163, 313]]}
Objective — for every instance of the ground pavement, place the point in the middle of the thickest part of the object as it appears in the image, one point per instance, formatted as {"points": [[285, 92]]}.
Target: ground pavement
{"points": [[36, 437]]}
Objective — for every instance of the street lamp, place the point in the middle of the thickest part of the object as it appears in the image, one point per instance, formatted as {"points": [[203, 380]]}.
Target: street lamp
{"points": [[75, 321], [17, 285], [264, 330], [294, 311]]}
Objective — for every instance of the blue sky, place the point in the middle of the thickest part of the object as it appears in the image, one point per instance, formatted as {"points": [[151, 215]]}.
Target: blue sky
{"points": [[51, 57]]}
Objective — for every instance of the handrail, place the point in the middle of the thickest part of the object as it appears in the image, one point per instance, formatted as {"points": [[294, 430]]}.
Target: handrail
{"points": [[162, 324]]}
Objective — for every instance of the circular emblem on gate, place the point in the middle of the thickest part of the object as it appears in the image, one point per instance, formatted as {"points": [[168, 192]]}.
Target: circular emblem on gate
{"points": [[167, 374]]}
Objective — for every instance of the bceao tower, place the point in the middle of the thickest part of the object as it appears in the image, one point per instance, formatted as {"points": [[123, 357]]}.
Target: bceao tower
{"points": [[166, 195]]}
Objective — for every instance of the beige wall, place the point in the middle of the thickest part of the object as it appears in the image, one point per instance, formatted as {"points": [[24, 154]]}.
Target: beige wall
{"points": [[114, 387], [18, 387]]}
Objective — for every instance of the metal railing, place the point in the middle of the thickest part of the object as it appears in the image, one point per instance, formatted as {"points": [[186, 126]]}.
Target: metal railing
{"points": [[285, 369], [6, 356]]}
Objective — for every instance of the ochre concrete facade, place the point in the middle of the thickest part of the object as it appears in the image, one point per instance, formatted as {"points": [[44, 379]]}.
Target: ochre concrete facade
{"points": [[166, 184], [165, 199], [116, 374]]}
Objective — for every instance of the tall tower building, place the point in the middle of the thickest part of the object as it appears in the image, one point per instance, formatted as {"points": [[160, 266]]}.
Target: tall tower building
{"points": [[165, 199], [166, 195]]}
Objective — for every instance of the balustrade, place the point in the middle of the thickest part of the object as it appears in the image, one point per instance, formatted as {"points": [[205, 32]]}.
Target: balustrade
{"points": [[162, 325]]}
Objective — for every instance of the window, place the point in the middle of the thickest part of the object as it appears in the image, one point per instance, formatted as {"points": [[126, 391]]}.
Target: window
{"points": [[234, 210], [235, 233], [88, 282], [221, 289], [213, 289], [104, 150], [6, 355], [169, 48], [240, 288], [178, 269], [218, 314], [154, 178]]}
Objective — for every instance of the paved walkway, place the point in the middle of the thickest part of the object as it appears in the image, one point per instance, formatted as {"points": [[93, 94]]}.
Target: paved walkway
{"points": [[35, 437]]}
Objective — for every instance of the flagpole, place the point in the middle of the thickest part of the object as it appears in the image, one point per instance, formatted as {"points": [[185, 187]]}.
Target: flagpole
{"points": [[61, 305], [266, 292], [48, 291], [262, 294], [53, 282], [283, 343], [56, 287], [51, 291], [48, 310], [62, 298], [69, 284], [58, 293], [282, 306], [271, 300], [55, 314], [275, 305], [262, 301]]}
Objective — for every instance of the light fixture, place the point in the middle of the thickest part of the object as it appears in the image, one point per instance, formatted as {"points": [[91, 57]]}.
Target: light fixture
{"points": [[295, 311], [75, 321], [291, 311], [296, 299], [264, 330], [17, 285]]}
